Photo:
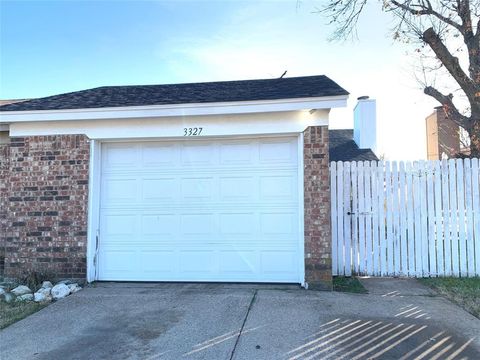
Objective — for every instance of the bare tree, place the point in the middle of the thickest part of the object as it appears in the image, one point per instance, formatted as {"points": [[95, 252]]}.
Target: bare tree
{"points": [[449, 31]]}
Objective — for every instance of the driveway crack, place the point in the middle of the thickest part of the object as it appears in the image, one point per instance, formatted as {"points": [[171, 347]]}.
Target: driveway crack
{"points": [[243, 324]]}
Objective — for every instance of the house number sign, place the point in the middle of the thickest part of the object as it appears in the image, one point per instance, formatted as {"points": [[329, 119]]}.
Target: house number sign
{"points": [[195, 131]]}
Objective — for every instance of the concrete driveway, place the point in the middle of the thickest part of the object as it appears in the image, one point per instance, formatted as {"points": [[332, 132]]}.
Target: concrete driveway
{"points": [[399, 319]]}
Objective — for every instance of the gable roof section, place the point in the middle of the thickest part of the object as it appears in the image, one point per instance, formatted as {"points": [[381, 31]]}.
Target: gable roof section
{"points": [[342, 147], [191, 93]]}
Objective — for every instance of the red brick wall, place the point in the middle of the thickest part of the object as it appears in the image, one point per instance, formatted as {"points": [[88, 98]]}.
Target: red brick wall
{"points": [[318, 263], [47, 205], [4, 170]]}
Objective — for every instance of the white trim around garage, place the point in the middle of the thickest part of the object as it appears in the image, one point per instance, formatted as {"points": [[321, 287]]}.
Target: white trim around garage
{"points": [[95, 188], [93, 209], [301, 209]]}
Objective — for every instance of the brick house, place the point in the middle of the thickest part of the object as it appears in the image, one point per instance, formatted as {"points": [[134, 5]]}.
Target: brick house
{"points": [[221, 181]]}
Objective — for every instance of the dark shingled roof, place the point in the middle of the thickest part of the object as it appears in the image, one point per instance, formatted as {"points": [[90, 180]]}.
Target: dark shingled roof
{"points": [[344, 148], [223, 91]]}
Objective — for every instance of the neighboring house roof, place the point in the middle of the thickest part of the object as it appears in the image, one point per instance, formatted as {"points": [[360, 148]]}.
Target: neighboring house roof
{"points": [[344, 148], [223, 91]]}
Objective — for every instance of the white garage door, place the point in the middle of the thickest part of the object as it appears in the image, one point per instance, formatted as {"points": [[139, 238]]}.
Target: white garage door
{"points": [[200, 211]]}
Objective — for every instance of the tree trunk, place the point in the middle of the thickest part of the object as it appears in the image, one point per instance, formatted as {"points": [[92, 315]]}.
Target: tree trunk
{"points": [[474, 135]]}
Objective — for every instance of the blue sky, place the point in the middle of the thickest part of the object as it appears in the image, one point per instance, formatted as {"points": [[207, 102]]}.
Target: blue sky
{"points": [[49, 47]]}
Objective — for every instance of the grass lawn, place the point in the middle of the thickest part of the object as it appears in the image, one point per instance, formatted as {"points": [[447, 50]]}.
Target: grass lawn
{"points": [[13, 312], [348, 284], [463, 291]]}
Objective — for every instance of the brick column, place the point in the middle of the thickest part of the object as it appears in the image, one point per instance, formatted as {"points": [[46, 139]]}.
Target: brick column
{"points": [[318, 262], [4, 189], [47, 206]]}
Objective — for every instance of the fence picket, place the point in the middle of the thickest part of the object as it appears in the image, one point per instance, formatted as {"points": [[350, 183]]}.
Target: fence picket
{"points": [[396, 219], [410, 221], [423, 216], [417, 208], [453, 216], [469, 219], [367, 214], [375, 239], [340, 218], [347, 223], [381, 218], [432, 256], [361, 219], [389, 213], [403, 220], [439, 230], [462, 241], [353, 218], [476, 212], [446, 219]]}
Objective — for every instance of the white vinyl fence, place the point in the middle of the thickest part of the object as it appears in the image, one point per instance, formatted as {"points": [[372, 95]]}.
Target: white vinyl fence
{"points": [[413, 219]]}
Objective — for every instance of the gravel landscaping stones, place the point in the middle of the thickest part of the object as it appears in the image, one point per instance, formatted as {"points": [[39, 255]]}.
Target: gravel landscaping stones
{"points": [[21, 290], [47, 285], [46, 293], [7, 297], [25, 297], [74, 288], [60, 291]]}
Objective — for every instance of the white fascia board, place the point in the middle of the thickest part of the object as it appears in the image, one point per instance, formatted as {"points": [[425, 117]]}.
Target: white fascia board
{"points": [[290, 122], [240, 107]]}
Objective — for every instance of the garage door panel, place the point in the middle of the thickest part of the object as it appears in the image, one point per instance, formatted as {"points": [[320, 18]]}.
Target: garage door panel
{"points": [[243, 262], [279, 262], [278, 188], [200, 211], [119, 190], [197, 188], [156, 262], [197, 261], [196, 224], [164, 225], [234, 154], [198, 155], [238, 224], [237, 188], [278, 151], [120, 156], [161, 189], [279, 223], [119, 225], [117, 262], [159, 156]]}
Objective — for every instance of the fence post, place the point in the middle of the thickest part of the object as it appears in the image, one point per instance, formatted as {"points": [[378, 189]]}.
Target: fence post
{"points": [[333, 205]]}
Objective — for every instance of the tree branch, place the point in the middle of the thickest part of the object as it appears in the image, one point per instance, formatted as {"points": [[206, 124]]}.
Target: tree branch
{"points": [[428, 10], [450, 62], [449, 107]]}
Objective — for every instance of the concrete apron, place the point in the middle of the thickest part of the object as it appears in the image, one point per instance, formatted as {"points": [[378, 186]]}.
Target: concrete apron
{"points": [[230, 321]]}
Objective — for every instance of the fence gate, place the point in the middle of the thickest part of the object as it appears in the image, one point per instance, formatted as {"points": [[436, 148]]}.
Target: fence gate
{"points": [[413, 219]]}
